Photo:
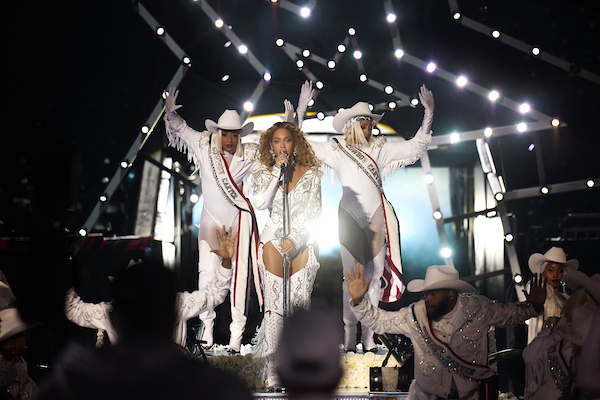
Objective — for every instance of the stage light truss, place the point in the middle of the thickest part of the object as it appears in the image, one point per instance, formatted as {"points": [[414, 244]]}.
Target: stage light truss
{"points": [[518, 44], [537, 121]]}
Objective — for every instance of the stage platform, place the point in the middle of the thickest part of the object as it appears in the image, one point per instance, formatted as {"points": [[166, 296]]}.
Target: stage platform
{"points": [[353, 385], [341, 395]]}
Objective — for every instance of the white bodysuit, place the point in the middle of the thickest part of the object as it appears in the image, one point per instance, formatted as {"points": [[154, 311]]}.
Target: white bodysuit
{"points": [[216, 211], [361, 218]]}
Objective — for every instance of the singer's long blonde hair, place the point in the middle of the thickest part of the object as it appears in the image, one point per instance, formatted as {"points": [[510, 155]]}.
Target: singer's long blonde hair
{"points": [[304, 153]]}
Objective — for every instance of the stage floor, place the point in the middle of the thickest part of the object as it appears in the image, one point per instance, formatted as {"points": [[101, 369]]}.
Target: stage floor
{"points": [[354, 384]]}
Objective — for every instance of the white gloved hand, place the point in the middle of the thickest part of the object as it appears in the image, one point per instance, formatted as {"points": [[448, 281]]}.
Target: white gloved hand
{"points": [[306, 93], [170, 100], [426, 98], [288, 115]]}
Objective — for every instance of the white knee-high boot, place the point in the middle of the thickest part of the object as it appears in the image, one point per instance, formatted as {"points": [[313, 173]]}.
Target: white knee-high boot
{"points": [[272, 324]]}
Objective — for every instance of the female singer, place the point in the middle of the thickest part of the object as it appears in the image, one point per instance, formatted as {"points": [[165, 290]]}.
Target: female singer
{"points": [[285, 156]]}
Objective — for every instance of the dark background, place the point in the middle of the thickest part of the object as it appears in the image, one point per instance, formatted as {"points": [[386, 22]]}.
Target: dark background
{"points": [[84, 76]]}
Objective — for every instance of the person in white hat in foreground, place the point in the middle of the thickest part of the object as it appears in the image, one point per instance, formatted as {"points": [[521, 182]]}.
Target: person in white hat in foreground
{"points": [[448, 329], [553, 266], [368, 227], [224, 161], [14, 376]]}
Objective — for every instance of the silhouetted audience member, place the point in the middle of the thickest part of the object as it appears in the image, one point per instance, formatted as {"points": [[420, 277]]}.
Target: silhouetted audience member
{"points": [[145, 363], [309, 355]]}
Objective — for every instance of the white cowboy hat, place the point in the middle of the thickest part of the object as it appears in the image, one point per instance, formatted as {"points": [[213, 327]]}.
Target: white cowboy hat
{"points": [[230, 121], [577, 331], [360, 108], [440, 277], [556, 255], [591, 284], [11, 323]]}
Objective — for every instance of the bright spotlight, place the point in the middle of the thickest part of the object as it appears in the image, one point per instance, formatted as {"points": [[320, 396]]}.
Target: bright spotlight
{"points": [[535, 51], [454, 137], [227, 44], [331, 64], [320, 115], [495, 34], [446, 252], [219, 23], [225, 78], [305, 12], [414, 102], [145, 129], [319, 85], [499, 196], [363, 78], [124, 164], [103, 198], [267, 76], [487, 132], [280, 42], [494, 95], [389, 90], [311, 102], [524, 108], [243, 49], [392, 105], [341, 48], [456, 16], [352, 31], [437, 214], [399, 53], [82, 232], [509, 237], [429, 178], [431, 67], [300, 63], [545, 190], [194, 198], [555, 122], [518, 278], [461, 81], [491, 214], [186, 60], [391, 18], [531, 147], [160, 31], [306, 53], [590, 183], [357, 54], [248, 106], [522, 127]]}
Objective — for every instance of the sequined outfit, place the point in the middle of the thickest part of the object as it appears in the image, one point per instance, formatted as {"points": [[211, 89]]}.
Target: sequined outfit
{"points": [[547, 359], [97, 315], [464, 329], [15, 380], [361, 217], [216, 209], [304, 208]]}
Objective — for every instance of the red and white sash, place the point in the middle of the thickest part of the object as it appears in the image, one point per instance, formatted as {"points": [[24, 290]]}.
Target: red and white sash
{"points": [[392, 271], [247, 243]]}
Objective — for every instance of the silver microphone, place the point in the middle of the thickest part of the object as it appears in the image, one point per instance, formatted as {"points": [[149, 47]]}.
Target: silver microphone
{"points": [[285, 163]]}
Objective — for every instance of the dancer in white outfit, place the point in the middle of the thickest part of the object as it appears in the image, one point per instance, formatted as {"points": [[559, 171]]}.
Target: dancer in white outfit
{"points": [[189, 304], [283, 150], [223, 162], [368, 228]]}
